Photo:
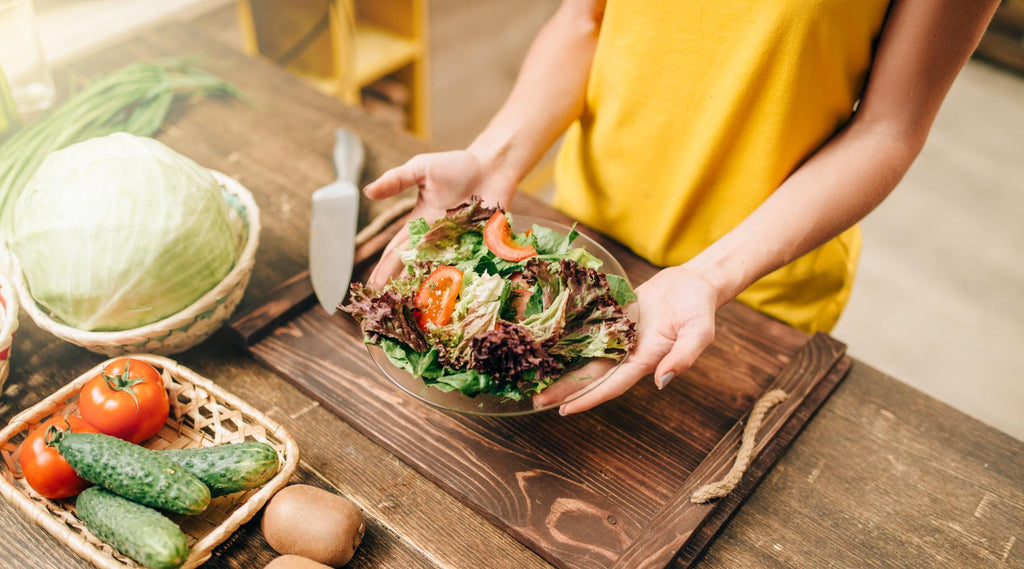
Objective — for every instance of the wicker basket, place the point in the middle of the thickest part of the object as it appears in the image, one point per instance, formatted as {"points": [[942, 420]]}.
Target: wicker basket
{"points": [[184, 329], [202, 414], [8, 324]]}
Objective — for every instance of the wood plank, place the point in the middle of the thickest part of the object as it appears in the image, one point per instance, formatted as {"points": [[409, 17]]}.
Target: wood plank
{"points": [[612, 496], [714, 523], [287, 301], [296, 294], [884, 476], [497, 467], [246, 548], [817, 359]]}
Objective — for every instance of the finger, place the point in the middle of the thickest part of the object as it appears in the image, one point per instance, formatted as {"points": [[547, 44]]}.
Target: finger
{"points": [[410, 174], [687, 347], [619, 382], [573, 382], [558, 392], [390, 260]]}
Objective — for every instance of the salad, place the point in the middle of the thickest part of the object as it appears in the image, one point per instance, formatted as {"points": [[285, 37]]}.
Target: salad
{"points": [[480, 309]]}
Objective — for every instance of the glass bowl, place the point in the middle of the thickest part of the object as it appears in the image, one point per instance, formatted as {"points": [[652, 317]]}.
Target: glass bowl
{"points": [[573, 382]]}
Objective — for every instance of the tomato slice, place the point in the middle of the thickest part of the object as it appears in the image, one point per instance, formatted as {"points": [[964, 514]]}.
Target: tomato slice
{"points": [[498, 238], [437, 296]]}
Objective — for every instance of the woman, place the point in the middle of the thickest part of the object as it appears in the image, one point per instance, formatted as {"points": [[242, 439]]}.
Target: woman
{"points": [[735, 143]]}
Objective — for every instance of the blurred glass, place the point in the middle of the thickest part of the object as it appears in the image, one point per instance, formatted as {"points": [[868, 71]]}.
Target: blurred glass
{"points": [[21, 57]]}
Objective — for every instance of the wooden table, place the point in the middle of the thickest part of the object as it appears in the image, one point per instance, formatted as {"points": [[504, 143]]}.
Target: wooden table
{"points": [[883, 476]]}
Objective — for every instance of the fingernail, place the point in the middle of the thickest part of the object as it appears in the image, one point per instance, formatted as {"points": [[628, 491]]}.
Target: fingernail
{"points": [[663, 380], [561, 411]]}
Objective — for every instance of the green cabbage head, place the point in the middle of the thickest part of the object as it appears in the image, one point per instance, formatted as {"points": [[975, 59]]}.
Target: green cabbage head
{"points": [[120, 231]]}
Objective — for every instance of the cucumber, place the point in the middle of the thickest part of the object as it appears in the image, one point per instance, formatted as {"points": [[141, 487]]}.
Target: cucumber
{"points": [[131, 471], [228, 468], [141, 533]]}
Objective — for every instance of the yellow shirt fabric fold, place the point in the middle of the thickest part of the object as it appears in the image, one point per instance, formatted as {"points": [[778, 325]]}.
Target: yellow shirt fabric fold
{"points": [[697, 111]]}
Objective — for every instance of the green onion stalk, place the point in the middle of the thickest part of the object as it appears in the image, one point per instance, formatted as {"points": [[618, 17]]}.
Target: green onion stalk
{"points": [[135, 99]]}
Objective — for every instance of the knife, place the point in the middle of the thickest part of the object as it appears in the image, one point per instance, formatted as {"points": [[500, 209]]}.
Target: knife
{"points": [[332, 228]]}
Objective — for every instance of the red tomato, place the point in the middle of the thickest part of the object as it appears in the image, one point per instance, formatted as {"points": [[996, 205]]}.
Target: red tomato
{"points": [[126, 400], [44, 468], [436, 297], [498, 238]]}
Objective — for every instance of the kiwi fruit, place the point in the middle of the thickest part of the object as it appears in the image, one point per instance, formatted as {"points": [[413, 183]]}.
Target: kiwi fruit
{"points": [[313, 523]]}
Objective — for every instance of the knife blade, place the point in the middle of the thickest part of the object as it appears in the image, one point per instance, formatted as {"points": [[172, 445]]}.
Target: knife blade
{"points": [[332, 229]]}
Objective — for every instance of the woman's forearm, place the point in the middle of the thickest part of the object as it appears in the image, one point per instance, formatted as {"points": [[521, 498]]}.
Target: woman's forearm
{"points": [[548, 94], [924, 45], [837, 187]]}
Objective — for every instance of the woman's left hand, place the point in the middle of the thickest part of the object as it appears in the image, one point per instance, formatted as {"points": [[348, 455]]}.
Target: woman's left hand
{"points": [[677, 321]]}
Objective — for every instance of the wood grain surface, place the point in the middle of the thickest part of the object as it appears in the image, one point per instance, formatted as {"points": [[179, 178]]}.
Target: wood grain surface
{"points": [[609, 487], [884, 476], [296, 294]]}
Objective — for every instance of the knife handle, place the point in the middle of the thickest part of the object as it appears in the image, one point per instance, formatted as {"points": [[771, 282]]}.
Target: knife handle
{"points": [[295, 295]]}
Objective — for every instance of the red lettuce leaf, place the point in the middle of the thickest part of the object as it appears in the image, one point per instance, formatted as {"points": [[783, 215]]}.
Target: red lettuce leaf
{"points": [[510, 354], [388, 314]]}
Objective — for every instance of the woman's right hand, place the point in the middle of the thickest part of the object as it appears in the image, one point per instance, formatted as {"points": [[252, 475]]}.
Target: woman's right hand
{"points": [[444, 179]]}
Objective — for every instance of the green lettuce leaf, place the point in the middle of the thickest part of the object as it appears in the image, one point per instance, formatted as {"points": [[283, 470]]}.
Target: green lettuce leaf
{"points": [[535, 303], [417, 229], [552, 245], [478, 292], [550, 241], [469, 382], [579, 255], [620, 289], [462, 250], [596, 338], [547, 324], [455, 238], [420, 364]]}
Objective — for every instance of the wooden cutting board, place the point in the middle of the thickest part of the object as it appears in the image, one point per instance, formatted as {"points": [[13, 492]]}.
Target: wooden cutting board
{"points": [[607, 488]]}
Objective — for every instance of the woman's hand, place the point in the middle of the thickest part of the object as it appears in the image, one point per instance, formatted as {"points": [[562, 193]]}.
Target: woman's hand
{"points": [[677, 321], [445, 179]]}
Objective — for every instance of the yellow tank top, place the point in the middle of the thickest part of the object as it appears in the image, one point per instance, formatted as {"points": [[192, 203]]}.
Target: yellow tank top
{"points": [[696, 111]]}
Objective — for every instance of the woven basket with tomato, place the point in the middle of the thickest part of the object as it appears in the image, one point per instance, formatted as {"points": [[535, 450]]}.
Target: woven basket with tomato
{"points": [[130, 437]]}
